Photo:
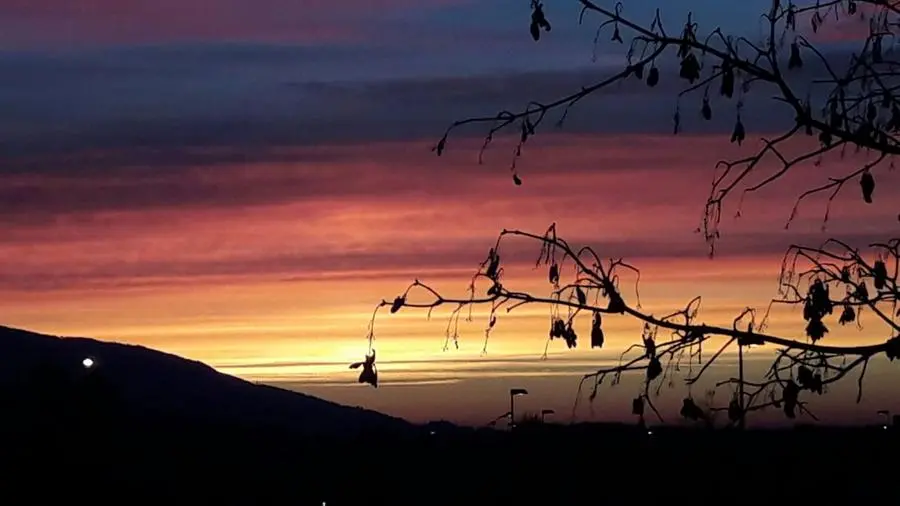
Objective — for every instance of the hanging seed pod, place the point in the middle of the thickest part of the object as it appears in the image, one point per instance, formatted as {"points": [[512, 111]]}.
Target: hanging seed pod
{"points": [[638, 70], [879, 272], [804, 376], [616, 304], [653, 77], [816, 384], [597, 337], [819, 298], [517, 180], [553, 275], [790, 395], [734, 410], [876, 50], [676, 122], [727, 87], [791, 19], [867, 185], [654, 369], [369, 373], [845, 274], [690, 410], [892, 350], [871, 112], [886, 99], [570, 336], [795, 61], [538, 21], [616, 36], [816, 330], [493, 264], [690, 68], [738, 134], [706, 110], [637, 406], [558, 329], [848, 315], [582, 298], [851, 7], [809, 310], [862, 292], [649, 347], [397, 304]]}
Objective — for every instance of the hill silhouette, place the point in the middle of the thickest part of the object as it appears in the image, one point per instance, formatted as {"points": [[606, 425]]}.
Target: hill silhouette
{"points": [[154, 384], [141, 424]]}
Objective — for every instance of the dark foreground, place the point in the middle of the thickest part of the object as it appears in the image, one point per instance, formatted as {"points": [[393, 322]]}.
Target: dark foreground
{"points": [[98, 461]]}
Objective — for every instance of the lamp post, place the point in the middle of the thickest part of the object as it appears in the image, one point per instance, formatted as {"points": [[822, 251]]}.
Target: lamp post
{"points": [[545, 412], [887, 417], [513, 393]]}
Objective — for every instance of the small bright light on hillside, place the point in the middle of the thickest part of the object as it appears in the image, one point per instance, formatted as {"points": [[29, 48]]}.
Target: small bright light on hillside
{"points": [[88, 363]]}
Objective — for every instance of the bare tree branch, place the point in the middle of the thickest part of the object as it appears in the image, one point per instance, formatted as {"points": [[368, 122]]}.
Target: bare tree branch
{"points": [[809, 278], [854, 105]]}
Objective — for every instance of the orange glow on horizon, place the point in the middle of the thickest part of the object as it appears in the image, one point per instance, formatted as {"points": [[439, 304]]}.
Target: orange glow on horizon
{"points": [[282, 288]]}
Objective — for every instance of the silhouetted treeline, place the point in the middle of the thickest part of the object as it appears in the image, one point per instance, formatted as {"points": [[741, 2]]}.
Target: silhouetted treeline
{"points": [[170, 460]]}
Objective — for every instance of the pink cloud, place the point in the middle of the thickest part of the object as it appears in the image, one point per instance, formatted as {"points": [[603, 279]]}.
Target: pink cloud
{"points": [[396, 207], [104, 21], [845, 28]]}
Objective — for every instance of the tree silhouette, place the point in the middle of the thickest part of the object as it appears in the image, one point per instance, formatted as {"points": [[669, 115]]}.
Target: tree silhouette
{"points": [[854, 107]]}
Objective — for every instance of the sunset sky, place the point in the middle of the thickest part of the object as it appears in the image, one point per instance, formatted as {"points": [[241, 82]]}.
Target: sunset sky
{"points": [[241, 181]]}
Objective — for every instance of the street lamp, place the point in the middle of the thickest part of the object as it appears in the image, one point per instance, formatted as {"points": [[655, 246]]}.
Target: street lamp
{"points": [[513, 393], [887, 417], [545, 412]]}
